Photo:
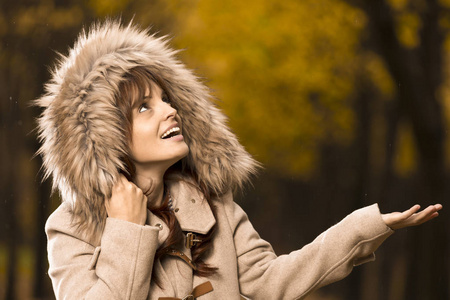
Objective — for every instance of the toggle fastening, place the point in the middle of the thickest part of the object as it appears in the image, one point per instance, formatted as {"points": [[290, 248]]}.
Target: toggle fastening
{"points": [[191, 240]]}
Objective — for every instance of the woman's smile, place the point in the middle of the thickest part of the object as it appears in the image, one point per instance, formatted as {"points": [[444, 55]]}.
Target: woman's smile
{"points": [[172, 132]]}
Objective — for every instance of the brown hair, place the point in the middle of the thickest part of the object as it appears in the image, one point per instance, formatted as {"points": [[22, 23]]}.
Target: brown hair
{"points": [[134, 86]]}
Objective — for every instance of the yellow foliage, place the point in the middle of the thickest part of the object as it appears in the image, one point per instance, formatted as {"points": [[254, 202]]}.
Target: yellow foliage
{"points": [[408, 26], [445, 3], [28, 18], [398, 4], [104, 8], [405, 158], [407, 23], [285, 71], [376, 70]]}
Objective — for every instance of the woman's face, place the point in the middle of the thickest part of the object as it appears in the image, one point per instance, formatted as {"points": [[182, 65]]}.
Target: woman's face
{"points": [[157, 141]]}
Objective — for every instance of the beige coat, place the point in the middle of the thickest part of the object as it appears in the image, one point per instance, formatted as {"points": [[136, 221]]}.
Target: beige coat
{"points": [[120, 267]]}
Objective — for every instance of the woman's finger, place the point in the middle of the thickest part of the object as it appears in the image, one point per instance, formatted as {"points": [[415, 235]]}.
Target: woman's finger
{"points": [[427, 214], [438, 206], [409, 213], [434, 210], [122, 179], [431, 216]]}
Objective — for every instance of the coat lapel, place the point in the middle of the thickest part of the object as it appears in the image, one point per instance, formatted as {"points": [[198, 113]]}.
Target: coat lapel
{"points": [[191, 208]]}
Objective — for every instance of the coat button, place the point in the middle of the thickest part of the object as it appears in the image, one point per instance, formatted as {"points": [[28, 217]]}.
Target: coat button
{"points": [[177, 209], [159, 226], [193, 200]]}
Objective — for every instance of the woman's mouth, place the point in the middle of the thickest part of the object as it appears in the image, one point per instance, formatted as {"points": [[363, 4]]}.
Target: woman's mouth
{"points": [[171, 133]]}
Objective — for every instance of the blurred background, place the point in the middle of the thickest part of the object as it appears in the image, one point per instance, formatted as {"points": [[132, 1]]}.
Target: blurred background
{"points": [[346, 103]]}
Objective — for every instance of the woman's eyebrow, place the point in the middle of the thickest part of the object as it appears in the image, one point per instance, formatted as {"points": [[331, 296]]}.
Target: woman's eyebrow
{"points": [[138, 102]]}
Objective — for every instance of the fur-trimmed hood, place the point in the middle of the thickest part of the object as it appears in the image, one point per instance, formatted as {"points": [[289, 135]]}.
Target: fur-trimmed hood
{"points": [[81, 129]]}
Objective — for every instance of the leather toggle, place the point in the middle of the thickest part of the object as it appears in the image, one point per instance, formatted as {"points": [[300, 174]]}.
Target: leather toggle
{"points": [[191, 240], [179, 254], [198, 291]]}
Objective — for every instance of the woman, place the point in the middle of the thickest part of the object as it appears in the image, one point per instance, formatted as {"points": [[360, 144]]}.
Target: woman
{"points": [[146, 167]]}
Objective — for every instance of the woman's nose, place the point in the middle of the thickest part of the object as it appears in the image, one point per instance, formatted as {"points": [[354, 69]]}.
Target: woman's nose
{"points": [[170, 111]]}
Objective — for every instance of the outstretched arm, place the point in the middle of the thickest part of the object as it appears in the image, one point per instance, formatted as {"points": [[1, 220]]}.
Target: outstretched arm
{"points": [[330, 257], [411, 217]]}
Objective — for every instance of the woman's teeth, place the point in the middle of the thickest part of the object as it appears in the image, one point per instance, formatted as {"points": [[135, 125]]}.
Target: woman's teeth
{"points": [[171, 132]]}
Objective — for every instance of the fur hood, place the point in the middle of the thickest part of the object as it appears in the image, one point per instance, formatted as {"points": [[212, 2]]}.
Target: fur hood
{"points": [[81, 129]]}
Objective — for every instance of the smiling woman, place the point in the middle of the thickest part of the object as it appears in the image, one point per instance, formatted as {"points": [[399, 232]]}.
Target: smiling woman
{"points": [[146, 167]]}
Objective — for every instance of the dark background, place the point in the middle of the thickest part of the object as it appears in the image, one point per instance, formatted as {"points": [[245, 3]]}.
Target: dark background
{"points": [[346, 103]]}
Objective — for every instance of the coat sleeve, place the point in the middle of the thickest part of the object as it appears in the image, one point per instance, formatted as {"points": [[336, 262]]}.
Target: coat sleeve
{"points": [[118, 269], [329, 258]]}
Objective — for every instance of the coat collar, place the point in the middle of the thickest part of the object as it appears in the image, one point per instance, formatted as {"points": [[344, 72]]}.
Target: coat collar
{"points": [[191, 207]]}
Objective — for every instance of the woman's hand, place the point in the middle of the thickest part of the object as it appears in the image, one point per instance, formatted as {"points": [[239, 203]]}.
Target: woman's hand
{"points": [[411, 217], [127, 202]]}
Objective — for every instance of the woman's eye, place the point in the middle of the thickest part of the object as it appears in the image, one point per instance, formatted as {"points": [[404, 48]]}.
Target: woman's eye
{"points": [[143, 107]]}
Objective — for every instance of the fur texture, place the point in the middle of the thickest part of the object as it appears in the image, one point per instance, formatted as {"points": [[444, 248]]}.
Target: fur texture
{"points": [[81, 128]]}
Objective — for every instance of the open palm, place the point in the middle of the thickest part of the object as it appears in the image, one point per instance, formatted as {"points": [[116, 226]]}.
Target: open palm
{"points": [[411, 217]]}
